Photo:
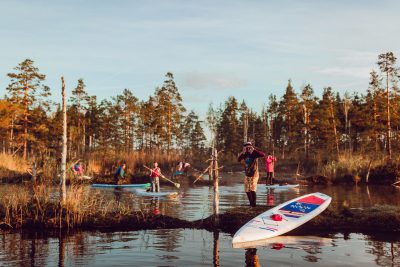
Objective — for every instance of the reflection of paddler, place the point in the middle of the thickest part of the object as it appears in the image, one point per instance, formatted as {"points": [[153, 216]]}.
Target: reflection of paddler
{"points": [[270, 198], [118, 194], [251, 258], [155, 203]]}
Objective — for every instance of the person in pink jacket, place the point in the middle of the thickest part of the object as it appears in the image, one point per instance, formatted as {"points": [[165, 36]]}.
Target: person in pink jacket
{"points": [[269, 168]]}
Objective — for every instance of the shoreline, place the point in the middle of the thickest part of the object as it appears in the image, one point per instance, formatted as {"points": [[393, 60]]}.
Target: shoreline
{"points": [[366, 221]]}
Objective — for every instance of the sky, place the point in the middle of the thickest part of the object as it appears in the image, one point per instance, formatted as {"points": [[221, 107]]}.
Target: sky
{"points": [[215, 49]]}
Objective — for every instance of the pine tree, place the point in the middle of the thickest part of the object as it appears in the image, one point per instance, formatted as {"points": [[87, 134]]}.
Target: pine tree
{"points": [[308, 103], [26, 89], [228, 134], [170, 111], [79, 104], [274, 123], [387, 65], [289, 112], [374, 102], [127, 105]]}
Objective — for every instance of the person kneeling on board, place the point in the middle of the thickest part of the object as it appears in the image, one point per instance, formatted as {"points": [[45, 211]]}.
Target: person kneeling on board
{"points": [[155, 180], [120, 173], [250, 156]]}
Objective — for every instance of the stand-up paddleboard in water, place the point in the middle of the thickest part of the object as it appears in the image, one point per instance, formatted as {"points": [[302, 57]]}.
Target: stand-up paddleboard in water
{"points": [[285, 186], [283, 218], [121, 185], [143, 192]]}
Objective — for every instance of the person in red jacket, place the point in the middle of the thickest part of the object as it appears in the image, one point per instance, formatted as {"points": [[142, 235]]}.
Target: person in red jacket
{"points": [[250, 156], [155, 180], [269, 168]]}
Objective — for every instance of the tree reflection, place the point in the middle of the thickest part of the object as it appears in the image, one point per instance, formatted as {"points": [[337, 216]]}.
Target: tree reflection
{"points": [[387, 253]]}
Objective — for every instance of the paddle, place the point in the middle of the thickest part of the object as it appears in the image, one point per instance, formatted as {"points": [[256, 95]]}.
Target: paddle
{"points": [[177, 185]]}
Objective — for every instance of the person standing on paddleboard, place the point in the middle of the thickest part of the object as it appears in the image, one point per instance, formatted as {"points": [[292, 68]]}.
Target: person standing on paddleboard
{"points": [[155, 180], [250, 156], [269, 168], [120, 173]]}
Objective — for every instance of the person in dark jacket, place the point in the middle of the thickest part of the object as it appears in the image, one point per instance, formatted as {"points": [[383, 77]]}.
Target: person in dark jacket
{"points": [[250, 157], [120, 173]]}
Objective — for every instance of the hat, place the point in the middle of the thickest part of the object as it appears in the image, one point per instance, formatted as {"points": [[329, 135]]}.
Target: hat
{"points": [[248, 144]]}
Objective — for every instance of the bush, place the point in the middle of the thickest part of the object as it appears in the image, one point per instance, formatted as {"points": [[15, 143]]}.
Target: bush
{"points": [[386, 174]]}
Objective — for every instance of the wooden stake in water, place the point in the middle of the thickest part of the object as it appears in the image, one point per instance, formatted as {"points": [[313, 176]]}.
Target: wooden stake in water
{"points": [[214, 170], [63, 188]]}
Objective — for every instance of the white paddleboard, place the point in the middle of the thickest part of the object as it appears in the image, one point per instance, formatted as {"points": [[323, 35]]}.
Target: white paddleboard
{"points": [[143, 192], [294, 213], [286, 186]]}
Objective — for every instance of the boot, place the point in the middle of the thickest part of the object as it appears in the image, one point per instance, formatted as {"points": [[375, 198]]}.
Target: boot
{"points": [[249, 196], [253, 198]]}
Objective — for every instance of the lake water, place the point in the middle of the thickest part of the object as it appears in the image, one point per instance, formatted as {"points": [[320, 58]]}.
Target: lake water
{"points": [[189, 247]]}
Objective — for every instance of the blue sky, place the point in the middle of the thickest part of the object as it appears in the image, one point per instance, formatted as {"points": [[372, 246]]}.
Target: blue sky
{"points": [[215, 49]]}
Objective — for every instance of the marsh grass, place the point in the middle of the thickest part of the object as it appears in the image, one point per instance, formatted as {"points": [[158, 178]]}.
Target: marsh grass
{"points": [[349, 168], [12, 166], [38, 206]]}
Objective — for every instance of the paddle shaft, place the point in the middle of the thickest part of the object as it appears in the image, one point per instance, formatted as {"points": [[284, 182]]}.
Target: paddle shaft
{"points": [[165, 178]]}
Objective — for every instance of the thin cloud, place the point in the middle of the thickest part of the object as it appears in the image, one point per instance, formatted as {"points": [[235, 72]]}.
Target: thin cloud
{"points": [[201, 80], [357, 72]]}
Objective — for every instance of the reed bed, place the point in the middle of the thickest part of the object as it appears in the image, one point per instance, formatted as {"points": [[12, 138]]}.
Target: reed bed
{"points": [[39, 206]]}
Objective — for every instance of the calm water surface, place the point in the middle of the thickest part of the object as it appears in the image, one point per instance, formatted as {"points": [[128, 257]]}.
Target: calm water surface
{"points": [[192, 248], [188, 247], [195, 202]]}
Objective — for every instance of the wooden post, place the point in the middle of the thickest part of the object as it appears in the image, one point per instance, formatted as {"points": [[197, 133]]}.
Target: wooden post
{"points": [[216, 185], [63, 188], [369, 169]]}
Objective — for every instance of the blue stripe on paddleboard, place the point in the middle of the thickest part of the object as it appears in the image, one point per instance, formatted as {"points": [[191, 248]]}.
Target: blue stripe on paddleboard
{"points": [[299, 207], [263, 228], [121, 185]]}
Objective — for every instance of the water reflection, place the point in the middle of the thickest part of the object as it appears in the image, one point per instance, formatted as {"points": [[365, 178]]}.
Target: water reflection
{"points": [[186, 247], [251, 258]]}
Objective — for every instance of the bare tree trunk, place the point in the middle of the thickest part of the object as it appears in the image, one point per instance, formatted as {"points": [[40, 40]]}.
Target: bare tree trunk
{"points": [[169, 130], [375, 126], [215, 174], [334, 128], [11, 149], [305, 118], [389, 144], [25, 121], [245, 127], [63, 188], [346, 108]]}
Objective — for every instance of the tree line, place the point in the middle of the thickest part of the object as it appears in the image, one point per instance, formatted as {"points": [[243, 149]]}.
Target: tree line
{"points": [[31, 125], [300, 124]]}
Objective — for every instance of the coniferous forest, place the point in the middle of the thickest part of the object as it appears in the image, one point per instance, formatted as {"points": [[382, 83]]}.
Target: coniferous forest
{"points": [[296, 125]]}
